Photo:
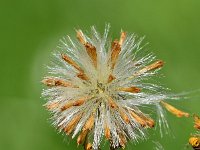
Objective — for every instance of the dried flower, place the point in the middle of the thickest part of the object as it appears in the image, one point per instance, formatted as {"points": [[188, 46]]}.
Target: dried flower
{"points": [[194, 141], [98, 88], [196, 122]]}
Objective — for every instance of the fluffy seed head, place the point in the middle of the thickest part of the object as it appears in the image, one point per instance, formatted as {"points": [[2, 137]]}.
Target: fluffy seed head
{"points": [[98, 88]]}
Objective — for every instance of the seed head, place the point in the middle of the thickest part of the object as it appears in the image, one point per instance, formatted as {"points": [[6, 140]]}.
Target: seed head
{"points": [[98, 88]]}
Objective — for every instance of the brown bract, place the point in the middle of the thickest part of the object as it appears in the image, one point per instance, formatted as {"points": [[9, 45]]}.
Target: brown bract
{"points": [[70, 126], [124, 116], [116, 48], [50, 81], [71, 103], [88, 146], [150, 122], [85, 131], [81, 73], [138, 118], [196, 122], [122, 140], [156, 65], [111, 78], [142, 119], [82, 136], [174, 110], [91, 50], [112, 103], [82, 76], [89, 123], [107, 131], [52, 105], [71, 62], [130, 89]]}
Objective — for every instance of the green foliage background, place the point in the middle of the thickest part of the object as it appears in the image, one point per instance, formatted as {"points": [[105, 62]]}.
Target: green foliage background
{"points": [[30, 30]]}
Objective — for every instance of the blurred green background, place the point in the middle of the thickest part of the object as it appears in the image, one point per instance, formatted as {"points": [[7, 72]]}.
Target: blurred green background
{"points": [[30, 31]]}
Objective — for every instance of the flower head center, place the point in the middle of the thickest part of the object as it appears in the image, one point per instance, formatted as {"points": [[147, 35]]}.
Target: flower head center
{"points": [[101, 87]]}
